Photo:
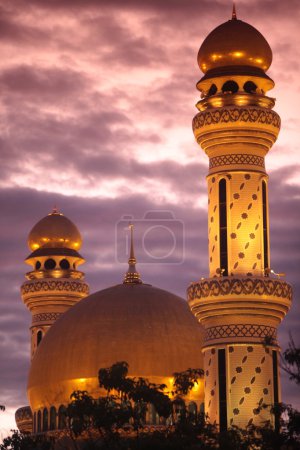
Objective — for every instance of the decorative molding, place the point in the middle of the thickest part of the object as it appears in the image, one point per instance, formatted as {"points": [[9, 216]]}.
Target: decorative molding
{"points": [[218, 287], [245, 115], [45, 317], [240, 330], [54, 285], [236, 158], [23, 413]]}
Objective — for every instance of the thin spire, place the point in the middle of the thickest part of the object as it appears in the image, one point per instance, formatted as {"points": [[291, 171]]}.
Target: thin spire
{"points": [[234, 16], [132, 276], [131, 257]]}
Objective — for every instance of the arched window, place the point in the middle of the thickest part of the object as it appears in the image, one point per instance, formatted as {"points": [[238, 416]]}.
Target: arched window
{"points": [[192, 411], [223, 227], [230, 87], [192, 408], [212, 90], [64, 264], [52, 418], [39, 421], [179, 409], [50, 264], [153, 416], [39, 337], [45, 419], [38, 265], [250, 87], [265, 225], [34, 422], [62, 418]]}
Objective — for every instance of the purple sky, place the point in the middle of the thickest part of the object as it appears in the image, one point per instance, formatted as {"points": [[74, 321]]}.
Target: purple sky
{"points": [[96, 103]]}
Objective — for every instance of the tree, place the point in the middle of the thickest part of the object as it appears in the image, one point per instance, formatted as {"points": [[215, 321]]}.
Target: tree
{"points": [[290, 361], [22, 441]]}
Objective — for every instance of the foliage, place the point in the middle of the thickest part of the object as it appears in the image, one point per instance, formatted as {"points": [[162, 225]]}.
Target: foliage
{"points": [[116, 421], [23, 441], [290, 361], [185, 381]]}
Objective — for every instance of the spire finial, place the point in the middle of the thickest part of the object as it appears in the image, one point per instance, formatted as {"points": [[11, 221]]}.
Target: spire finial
{"points": [[55, 210], [132, 276], [132, 257], [234, 16]]}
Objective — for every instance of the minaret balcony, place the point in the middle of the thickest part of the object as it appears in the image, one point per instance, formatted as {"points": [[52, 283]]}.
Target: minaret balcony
{"points": [[236, 129], [39, 290], [230, 302]]}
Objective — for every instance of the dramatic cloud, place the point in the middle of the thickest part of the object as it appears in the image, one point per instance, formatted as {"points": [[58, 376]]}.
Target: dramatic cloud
{"points": [[96, 103]]}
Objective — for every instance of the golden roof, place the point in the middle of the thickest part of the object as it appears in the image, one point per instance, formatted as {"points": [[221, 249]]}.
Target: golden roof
{"points": [[152, 329], [54, 231], [234, 43]]}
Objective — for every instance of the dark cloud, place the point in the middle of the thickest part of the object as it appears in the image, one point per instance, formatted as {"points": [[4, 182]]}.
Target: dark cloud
{"points": [[39, 84]]}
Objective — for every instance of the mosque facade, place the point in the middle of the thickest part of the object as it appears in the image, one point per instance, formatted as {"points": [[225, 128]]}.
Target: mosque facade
{"points": [[230, 329]]}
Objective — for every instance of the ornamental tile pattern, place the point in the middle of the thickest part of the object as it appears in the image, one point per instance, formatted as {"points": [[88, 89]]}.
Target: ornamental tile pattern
{"points": [[238, 158], [218, 287], [45, 317], [240, 330], [53, 285], [249, 115]]}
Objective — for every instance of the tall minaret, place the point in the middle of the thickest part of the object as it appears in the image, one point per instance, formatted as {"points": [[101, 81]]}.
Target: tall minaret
{"points": [[54, 283], [242, 302]]}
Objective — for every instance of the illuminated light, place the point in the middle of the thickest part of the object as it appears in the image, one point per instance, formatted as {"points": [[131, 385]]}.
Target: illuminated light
{"points": [[196, 387], [35, 246], [215, 57], [259, 60], [238, 54], [81, 380]]}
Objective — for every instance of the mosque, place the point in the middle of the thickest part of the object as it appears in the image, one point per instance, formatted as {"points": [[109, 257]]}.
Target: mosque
{"points": [[228, 326]]}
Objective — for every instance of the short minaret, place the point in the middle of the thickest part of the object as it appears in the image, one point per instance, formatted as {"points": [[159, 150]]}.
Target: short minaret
{"points": [[54, 284], [241, 304]]}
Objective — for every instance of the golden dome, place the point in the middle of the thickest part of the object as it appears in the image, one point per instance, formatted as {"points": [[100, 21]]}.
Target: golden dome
{"points": [[234, 43], [152, 329], [54, 231]]}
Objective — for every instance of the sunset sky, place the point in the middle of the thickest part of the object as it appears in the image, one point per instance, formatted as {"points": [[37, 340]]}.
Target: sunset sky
{"points": [[96, 103]]}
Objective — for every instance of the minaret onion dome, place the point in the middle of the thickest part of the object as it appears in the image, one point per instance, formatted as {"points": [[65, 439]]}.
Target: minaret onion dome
{"points": [[54, 231], [234, 43], [132, 276]]}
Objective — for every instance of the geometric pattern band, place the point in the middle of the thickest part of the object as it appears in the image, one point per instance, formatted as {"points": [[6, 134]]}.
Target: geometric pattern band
{"points": [[218, 287], [240, 330], [236, 158], [232, 115], [45, 317], [55, 285]]}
